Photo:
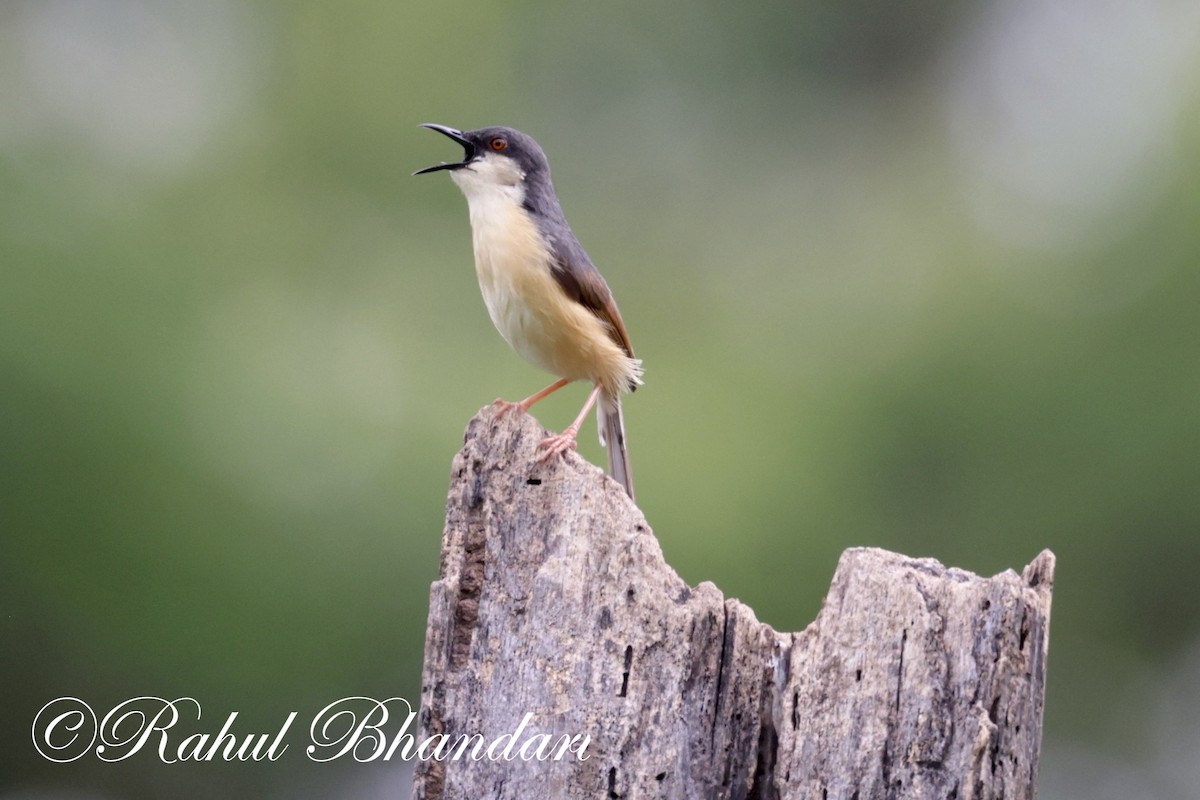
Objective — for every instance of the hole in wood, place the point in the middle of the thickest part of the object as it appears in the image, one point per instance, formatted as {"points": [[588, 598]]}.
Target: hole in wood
{"points": [[625, 676]]}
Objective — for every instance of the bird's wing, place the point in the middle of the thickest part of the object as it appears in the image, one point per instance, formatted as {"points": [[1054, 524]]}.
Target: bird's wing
{"points": [[584, 284]]}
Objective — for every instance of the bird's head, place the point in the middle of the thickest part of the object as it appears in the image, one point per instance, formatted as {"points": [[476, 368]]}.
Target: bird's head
{"points": [[493, 158]]}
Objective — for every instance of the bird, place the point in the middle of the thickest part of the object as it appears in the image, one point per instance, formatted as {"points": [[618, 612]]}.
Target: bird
{"points": [[542, 291]]}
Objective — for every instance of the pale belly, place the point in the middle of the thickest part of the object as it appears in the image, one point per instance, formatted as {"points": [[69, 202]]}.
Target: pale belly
{"points": [[529, 308], [545, 327]]}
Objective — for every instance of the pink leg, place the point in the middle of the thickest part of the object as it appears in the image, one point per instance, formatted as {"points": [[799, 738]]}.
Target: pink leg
{"points": [[554, 445], [527, 403]]}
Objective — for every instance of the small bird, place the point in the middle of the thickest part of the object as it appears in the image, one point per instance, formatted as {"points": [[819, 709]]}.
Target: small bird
{"points": [[543, 293]]}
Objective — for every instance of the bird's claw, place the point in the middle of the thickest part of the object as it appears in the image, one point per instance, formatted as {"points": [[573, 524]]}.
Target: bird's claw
{"points": [[557, 445], [504, 406]]}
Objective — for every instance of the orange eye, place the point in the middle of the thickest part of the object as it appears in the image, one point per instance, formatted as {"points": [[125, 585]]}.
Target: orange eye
{"points": [[498, 144]]}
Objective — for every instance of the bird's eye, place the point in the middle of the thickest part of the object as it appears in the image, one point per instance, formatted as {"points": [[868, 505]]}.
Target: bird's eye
{"points": [[499, 143]]}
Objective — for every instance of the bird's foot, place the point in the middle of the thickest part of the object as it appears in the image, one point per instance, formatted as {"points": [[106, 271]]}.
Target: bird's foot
{"points": [[504, 406], [552, 446]]}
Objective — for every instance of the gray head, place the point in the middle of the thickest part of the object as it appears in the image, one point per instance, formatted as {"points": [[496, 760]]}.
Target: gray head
{"points": [[504, 164], [496, 149], [501, 162]]}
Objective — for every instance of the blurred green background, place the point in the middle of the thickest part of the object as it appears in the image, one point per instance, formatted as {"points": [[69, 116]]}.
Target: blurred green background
{"points": [[920, 275]]}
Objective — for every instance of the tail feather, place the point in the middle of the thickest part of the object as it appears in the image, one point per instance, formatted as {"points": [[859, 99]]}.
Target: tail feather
{"points": [[612, 436]]}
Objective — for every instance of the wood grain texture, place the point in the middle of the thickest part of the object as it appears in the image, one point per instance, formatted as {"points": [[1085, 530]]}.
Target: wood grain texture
{"points": [[914, 681]]}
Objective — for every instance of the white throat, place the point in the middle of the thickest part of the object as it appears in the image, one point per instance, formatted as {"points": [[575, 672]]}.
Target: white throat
{"points": [[491, 179]]}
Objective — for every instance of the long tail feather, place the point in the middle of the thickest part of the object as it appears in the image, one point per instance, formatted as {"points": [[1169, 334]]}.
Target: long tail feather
{"points": [[612, 436]]}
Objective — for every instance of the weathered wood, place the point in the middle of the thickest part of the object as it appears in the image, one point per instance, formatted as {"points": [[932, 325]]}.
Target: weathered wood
{"points": [[914, 681]]}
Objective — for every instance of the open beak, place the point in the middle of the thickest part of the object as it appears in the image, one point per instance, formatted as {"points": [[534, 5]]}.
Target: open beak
{"points": [[468, 148]]}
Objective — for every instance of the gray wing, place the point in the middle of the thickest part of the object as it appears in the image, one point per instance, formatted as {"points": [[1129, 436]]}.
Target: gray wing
{"points": [[584, 284]]}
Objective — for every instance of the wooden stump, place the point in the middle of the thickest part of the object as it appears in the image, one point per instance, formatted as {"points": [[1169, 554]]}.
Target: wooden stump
{"points": [[914, 681]]}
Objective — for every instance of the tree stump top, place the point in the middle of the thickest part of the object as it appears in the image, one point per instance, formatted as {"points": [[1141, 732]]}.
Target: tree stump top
{"points": [[914, 681]]}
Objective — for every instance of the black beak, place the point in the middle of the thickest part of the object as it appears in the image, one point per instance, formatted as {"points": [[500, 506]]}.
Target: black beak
{"points": [[468, 148]]}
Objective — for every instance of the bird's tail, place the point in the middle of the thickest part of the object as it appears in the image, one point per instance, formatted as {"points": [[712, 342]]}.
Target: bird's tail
{"points": [[612, 436]]}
